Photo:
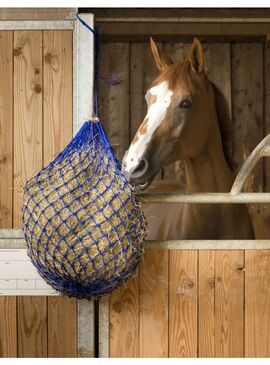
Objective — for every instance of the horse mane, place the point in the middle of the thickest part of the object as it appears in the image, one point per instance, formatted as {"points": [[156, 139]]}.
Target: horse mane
{"points": [[225, 124]]}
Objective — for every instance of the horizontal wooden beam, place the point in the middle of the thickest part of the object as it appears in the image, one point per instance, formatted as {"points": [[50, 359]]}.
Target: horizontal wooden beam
{"points": [[11, 233], [177, 12], [182, 31], [18, 242], [37, 13], [204, 20], [8, 243], [36, 24]]}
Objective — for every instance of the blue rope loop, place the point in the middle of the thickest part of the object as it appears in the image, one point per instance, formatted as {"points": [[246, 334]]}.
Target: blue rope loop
{"points": [[82, 220], [95, 33]]}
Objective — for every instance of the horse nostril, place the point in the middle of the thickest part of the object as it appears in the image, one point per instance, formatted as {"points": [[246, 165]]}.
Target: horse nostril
{"points": [[140, 170]]}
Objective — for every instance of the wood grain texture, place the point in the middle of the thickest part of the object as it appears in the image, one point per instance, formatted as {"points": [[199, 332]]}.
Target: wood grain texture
{"points": [[247, 96], [124, 320], [114, 94], [229, 304], [6, 128], [36, 13], [154, 304], [57, 98], [27, 112], [57, 132], [257, 303], [183, 303], [8, 327], [206, 305], [32, 321], [265, 208], [62, 327], [32, 326], [217, 59]]}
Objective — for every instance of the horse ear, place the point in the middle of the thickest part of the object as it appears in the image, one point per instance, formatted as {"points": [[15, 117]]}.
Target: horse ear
{"points": [[161, 59], [196, 56]]}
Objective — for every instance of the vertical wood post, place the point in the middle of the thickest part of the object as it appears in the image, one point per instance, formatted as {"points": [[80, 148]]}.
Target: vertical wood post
{"points": [[83, 77]]}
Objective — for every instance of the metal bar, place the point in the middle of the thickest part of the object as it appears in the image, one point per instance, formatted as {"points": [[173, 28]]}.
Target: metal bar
{"points": [[208, 245], [180, 20], [206, 198], [262, 150], [36, 24]]}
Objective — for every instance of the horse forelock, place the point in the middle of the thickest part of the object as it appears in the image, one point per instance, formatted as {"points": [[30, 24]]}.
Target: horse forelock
{"points": [[177, 75]]}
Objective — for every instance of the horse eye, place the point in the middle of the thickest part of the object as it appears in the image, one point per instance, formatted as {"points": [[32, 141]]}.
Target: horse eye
{"points": [[185, 104]]}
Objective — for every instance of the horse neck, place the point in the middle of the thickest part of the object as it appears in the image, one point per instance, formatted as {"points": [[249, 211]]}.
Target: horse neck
{"points": [[209, 172]]}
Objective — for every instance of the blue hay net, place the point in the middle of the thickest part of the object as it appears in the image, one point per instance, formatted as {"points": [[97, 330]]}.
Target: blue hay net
{"points": [[82, 220]]}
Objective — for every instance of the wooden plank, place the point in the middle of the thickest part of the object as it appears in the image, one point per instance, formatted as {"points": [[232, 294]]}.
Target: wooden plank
{"points": [[62, 327], [114, 113], [57, 99], [57, 132], [32, 321], [180, 31], [206, 305], [27, 112], [37, 13], [114, 93], [104, 326], [179, 12], [266, 161], [36, 25], [86, 330], [257, 303], [154, 304], [32, 326], [8, 327], [83, 65], [6, 128], [217, 58], [247, 111], [83, 71], [183, 303], [229, 304], [124, 320]]}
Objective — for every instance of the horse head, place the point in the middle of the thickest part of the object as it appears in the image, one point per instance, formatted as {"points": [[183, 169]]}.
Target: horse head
{"points": [[178, 121]]}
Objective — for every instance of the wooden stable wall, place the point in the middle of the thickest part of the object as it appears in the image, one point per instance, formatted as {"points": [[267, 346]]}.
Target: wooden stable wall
{"points": [[194, 303], [35, 124]]}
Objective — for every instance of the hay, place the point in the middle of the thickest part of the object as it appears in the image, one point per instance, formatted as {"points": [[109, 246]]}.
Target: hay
{"points": [[82, 220]]}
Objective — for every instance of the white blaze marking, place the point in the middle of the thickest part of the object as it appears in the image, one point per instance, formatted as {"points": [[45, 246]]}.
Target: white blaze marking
{"points": [[154, 116]]}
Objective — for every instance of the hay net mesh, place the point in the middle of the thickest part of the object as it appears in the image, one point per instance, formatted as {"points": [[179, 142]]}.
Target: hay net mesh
{"points": [[82, 220]]}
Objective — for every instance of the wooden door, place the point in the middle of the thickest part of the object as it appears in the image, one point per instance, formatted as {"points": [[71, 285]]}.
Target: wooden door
{"points": [[35, 124], [192, 303]]}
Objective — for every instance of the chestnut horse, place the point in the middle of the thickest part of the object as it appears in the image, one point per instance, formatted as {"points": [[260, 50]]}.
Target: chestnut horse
{"points": [[187, 120]]}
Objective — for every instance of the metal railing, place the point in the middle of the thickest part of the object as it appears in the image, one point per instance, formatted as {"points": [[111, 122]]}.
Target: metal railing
{"points": [[235, 196]]}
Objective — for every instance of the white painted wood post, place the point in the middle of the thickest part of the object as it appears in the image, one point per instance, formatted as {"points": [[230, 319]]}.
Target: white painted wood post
{"points": [[83, 71], [83, 83]]}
